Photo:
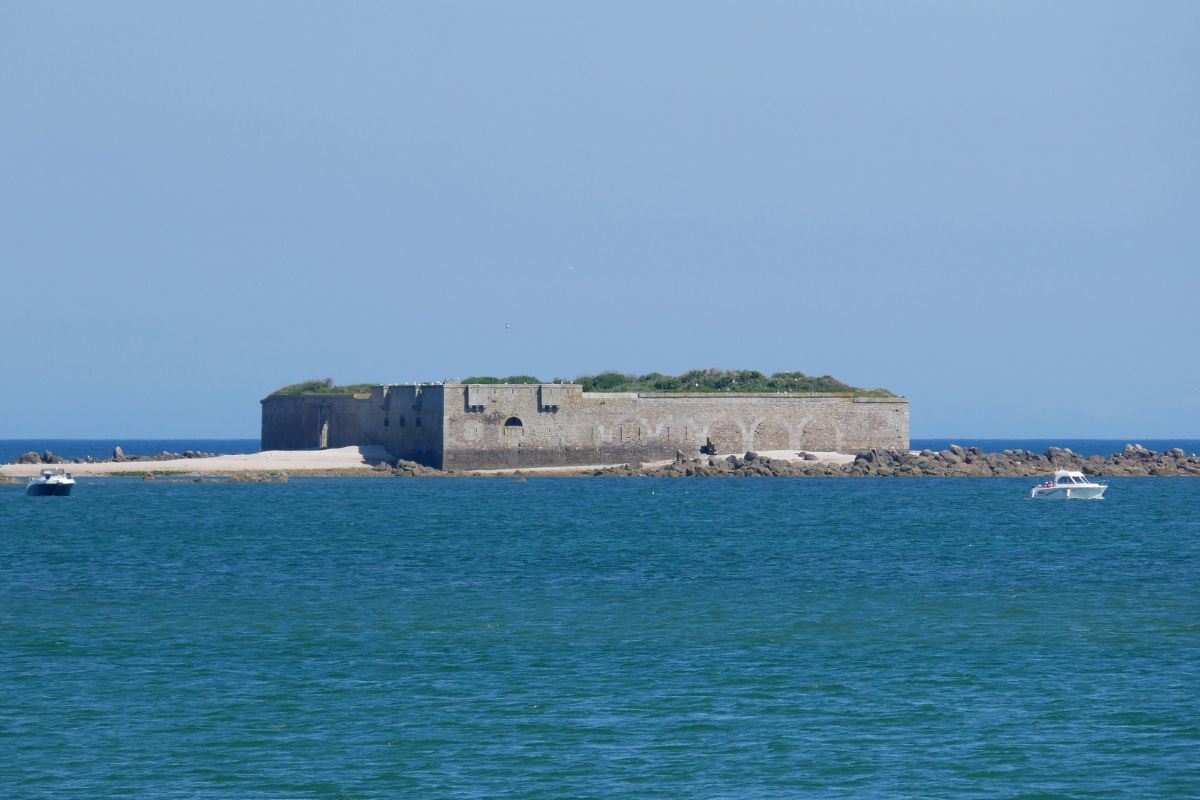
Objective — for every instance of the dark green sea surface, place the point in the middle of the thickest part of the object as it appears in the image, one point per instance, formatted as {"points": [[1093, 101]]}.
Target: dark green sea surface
{"points": [[634, 638]]}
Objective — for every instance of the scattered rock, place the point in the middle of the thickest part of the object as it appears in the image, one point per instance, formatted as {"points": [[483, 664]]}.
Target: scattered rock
{"points": [[258, 477], [411, 469]]}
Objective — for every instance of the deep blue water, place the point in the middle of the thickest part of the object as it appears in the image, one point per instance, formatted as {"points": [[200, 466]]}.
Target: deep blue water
{"points": [[578, 637]]}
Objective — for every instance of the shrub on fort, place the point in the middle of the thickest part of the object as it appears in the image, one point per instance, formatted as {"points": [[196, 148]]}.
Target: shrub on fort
{"points": [[707, 381], [322, 386], [509, 379], [719, 380]]}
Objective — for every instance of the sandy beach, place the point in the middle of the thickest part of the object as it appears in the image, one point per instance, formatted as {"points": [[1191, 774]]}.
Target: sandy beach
{"points": [[291, 461]]}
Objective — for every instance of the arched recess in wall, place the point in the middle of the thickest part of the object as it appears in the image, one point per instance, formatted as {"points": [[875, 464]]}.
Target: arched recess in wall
{"points": [[513, 422], [725, 436], [772, 434], [821, 434]]}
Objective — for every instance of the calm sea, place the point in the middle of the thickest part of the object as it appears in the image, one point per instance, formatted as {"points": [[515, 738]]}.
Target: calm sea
{"points": [[608, 638]]}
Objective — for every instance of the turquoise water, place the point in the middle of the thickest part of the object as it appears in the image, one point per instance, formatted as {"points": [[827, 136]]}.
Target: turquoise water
{"points": [[733, 638]]}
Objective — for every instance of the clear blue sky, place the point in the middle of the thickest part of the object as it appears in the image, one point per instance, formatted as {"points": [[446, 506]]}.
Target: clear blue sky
{"points": [[991, 208]]}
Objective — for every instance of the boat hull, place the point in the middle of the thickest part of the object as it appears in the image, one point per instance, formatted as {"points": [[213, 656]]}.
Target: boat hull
{"points": [[49, 489], [1068, 493]]}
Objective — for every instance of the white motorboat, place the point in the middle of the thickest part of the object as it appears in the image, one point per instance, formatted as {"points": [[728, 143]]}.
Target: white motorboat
{"points": [[51, 482], [1068, 485]]}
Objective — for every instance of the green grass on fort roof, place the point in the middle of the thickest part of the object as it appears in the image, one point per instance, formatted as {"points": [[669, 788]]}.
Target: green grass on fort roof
{"points": [[322, 386], [509, 379], [707, 381], [723, 380]]}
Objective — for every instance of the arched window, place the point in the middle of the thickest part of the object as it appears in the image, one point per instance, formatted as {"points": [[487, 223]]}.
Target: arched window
{"points": [[513, 422]]}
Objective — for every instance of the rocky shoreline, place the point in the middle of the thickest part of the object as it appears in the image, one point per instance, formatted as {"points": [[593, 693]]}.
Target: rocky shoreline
{"points": [[118, 457], [955, 461]]}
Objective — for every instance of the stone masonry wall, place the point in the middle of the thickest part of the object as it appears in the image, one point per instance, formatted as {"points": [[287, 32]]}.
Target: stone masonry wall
{"points": [[296, 422], [407, 420], [562, 425], [456, 426]]}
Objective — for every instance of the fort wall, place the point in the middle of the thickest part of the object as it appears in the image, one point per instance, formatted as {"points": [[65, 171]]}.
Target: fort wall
{"points": [[405, 419], [563, 425], [458, 426]]}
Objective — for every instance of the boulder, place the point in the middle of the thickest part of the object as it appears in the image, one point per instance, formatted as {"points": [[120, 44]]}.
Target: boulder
{"points": [[956, 450], [1177, 452], [751, 455], [28, 458], [51, 458], [118, 454]]}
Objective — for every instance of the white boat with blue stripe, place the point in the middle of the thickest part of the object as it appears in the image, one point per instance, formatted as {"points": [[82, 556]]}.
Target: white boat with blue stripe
{"points": [[1068, 485], [51, 483]]}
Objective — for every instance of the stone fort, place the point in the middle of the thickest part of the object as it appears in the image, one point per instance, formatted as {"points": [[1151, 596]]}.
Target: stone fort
{"points": [[495, 426]]}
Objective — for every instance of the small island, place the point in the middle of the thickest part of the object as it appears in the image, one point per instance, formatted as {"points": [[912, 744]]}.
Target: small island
{"points": [[520, 421]]}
